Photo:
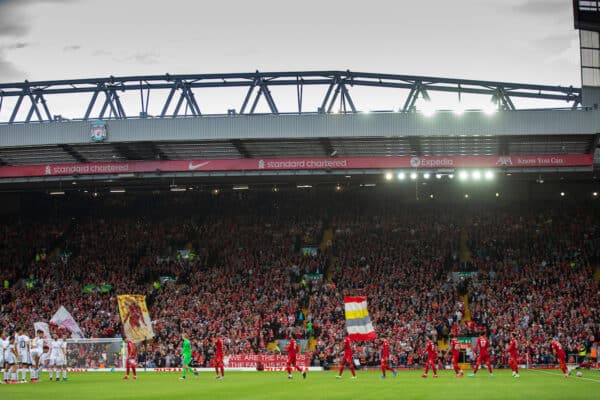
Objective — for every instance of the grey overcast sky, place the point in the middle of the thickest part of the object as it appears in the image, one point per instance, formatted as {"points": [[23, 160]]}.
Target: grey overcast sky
{"points": [[530, 41]]}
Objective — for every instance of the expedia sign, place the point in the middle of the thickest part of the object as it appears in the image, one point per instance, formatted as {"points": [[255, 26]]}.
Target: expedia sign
{"points": [[426, 162], [98, 132]]}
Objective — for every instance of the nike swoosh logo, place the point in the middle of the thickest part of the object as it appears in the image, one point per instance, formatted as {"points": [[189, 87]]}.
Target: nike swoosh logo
{"points": [[192, 167]]}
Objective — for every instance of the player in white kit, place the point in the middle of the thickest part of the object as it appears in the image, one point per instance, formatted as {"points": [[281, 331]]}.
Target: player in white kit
{"points": [[37, 348], [3, 347], [64, 346], [23, 357], [58, 358], [10, 359], [43, 362]]}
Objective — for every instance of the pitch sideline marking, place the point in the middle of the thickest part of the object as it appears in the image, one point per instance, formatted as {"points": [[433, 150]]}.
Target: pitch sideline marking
{"points": [[550, 373]]}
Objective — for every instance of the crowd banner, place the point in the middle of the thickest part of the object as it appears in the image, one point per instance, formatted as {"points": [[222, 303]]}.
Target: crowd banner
{"points": [[42, 326], [358, 322], [64, 319], [270, 362], [137, 325]]}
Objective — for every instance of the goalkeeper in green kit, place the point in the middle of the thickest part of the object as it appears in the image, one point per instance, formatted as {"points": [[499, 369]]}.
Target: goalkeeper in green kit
{"points": [[186, 356]]}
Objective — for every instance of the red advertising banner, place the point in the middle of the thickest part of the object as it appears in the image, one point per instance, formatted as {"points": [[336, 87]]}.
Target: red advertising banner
{"points": [[270, 362], [289, 164]]}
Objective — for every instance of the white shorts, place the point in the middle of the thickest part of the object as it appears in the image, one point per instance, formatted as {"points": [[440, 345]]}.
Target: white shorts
{"points": [[57, 361], [24, 358], [35, 353], [10, 359]]}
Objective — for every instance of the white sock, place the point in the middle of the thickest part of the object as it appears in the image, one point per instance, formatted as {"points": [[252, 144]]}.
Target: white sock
{"points": [[5, 375], [64, 374], [14, 376], [51, 374]]}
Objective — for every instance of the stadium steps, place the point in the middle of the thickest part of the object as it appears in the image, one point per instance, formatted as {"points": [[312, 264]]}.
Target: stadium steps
{"points": [[442, 344], [331, 268], [327, 236], [312, 344], [60, 243], [467, 315], [464, 251], [325, 249]]}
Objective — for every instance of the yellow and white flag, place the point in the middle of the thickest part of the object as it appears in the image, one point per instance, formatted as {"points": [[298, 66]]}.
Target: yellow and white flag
{"points": [[358, 322]]}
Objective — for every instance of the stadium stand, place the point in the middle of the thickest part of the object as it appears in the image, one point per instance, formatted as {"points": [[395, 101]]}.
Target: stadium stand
{"points": [[530, 271]]}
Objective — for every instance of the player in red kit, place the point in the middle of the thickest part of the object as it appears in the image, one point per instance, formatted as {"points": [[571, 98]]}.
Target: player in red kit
{"points": [[292, 349], [218, 360], [131, 361], [453, 350], [385, 359], [482, 347], [558, 350], [347, 358], [513, 356], [432, 356]]}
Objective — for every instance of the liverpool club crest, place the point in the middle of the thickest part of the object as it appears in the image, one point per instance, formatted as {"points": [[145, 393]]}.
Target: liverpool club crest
{"points": [[98, 132]]}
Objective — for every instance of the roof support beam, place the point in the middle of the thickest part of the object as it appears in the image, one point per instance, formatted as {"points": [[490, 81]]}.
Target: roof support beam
{"points": [[335, 83], [126, 152], [13, 116], [415, 145], [158, 153], [504, 100], [595, 144], [504, 146], [264, 92], [322, 109], [327, 146], [90, 106], [186, 95], [239, 146], [72, 152], [248, 96]]}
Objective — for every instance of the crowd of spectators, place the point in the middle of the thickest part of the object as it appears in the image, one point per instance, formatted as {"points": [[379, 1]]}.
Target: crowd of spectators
{"points": [[249, 282]]}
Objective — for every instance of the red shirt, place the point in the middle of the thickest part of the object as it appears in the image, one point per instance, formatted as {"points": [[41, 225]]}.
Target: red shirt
{"points": [[482, 346], [385, 351], [454, 347], [291, 348], [347, 348], [557, 348], [512, 347], [219, 348], [131, 350], [430, 350]]}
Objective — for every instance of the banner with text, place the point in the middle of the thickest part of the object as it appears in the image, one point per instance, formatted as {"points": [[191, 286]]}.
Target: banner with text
{"points": [[290, 164], [268, 361]]}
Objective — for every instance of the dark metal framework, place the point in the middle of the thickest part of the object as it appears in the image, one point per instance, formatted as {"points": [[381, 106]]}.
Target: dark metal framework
{"points": [[181, 98], [587, 14]]}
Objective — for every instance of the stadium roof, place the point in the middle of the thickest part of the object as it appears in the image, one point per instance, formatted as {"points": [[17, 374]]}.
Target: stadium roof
{"points": [[31, 136]]}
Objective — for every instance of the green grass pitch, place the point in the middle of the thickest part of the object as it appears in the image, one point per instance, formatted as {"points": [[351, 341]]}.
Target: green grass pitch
{"points": [[318, 385]]}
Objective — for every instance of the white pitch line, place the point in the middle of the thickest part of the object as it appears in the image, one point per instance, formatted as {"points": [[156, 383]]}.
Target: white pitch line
{"points": [[572, 377]]}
